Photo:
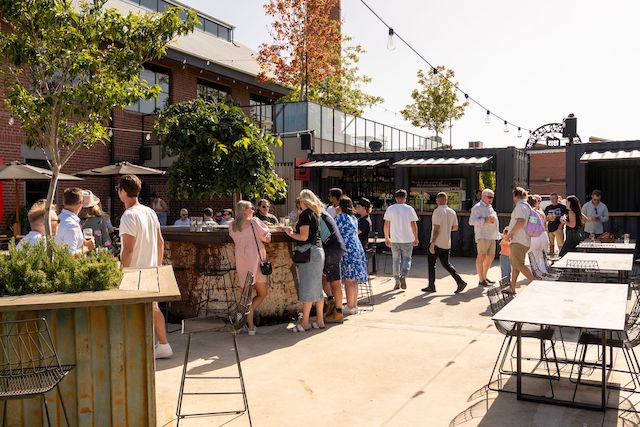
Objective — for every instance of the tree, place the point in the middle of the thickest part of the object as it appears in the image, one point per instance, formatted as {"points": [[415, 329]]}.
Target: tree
{"points": [[306, 41], [218, 139], [342, 90], [435, 102], [69, 65]]}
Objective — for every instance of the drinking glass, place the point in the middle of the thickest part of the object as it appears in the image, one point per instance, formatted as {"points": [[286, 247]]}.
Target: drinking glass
{"points": [[626, 238], [87, 233]]}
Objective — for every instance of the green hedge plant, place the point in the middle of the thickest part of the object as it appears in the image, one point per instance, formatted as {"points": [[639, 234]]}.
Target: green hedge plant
{"points": [[29, 270]]}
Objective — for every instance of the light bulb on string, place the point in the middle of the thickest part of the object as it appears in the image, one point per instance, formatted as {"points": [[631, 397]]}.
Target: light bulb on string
{"points": [[435, 76], [110, 133], [487, 118], [519, 133], [506, 127], [391, 41], [148, 136], [11, 121]]}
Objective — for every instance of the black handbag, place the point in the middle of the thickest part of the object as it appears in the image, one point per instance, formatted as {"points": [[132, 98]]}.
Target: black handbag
{"points": [[265, 266], [300, 257]]}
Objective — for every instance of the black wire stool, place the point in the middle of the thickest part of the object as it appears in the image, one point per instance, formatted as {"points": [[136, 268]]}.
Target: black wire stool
{"points": [[29, 363], [228, 314]]}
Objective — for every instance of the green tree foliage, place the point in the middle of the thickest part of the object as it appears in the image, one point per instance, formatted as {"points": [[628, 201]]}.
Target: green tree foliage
{"points": [[435, 102], [343, 90], [487, 179], [220, 152], [29, 270], [68, 65]]}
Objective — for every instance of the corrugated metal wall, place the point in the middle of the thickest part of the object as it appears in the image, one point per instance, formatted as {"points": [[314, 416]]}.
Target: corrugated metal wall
{"points": [[113, 382]]}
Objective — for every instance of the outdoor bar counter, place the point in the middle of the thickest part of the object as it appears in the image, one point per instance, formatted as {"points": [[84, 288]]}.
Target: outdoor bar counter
{"points": [[204, 265], [107, 337]]}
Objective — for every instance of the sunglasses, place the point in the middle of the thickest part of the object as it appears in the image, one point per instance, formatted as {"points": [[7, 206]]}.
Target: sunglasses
{"points": [[184, 214], [264, 206], [228, 214], [490, 197], [252, 208]]}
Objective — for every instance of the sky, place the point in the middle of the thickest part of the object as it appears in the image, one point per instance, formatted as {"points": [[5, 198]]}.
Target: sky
{"points": [[532, 63]]}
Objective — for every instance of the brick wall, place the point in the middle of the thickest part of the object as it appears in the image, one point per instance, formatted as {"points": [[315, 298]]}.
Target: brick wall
{"points": [[547, 172], [126, 146]]}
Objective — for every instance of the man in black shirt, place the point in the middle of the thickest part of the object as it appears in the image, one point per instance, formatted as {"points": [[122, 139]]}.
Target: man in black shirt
{"points": [[556, 230]]}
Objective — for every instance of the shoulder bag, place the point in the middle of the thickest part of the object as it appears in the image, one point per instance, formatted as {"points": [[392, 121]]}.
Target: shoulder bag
{"points": [[265, 266]]}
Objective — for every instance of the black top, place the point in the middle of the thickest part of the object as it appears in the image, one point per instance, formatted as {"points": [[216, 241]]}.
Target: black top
{"points": [[310, 218], [559, 210], [334, 242], [578, 220], [364, 226], [268, 218]]}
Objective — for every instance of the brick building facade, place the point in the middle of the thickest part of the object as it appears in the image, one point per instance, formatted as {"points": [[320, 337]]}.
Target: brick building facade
{"points": [[547, 171], [215, 62]]}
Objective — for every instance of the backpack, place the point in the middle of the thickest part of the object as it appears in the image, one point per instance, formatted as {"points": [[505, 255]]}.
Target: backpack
{"points": [[535, 224]]}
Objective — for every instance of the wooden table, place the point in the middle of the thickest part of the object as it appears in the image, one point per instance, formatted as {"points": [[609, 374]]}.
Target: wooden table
{"points": [[599, 306], [622, 263], [613, 247]]}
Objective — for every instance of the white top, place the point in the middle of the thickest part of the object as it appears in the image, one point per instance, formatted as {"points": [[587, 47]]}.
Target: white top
{"points": [[520, 211], [445, 217], [606, 261], [572, 304], [31, 238], [400, 217], [182, 222], [331, 210], [142, 223], [69, 231], [601, 212], [477, 218]]}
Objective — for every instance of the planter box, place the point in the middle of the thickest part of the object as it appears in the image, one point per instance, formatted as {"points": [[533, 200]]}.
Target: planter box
{"points": [[108, 337]]}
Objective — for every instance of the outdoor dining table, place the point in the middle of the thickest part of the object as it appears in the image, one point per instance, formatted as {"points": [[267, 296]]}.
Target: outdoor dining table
{"points": [[611, 247], [599, 306], [620, 262]]}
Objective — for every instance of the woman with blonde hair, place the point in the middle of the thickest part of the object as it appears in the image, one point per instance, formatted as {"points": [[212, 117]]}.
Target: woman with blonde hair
{"points": [[311, 262], [249, 235]]}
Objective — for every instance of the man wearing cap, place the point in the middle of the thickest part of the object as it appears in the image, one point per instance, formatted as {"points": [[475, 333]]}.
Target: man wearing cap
{"points": [[484, 220], [364, 222], [69, 232]]}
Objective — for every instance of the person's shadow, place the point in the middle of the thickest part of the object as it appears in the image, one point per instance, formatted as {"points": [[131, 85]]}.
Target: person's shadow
{"points": [[465, 296]]}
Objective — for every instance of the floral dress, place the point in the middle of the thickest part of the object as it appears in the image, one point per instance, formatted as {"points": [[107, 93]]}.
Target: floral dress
{"points": [[353, 265]]}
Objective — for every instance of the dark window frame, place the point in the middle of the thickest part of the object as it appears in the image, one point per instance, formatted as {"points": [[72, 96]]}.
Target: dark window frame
{"points": [[156, 70]]}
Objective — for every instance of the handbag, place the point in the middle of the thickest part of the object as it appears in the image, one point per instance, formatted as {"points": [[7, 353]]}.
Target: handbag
{"points": [[300, 255], [265, 266]]}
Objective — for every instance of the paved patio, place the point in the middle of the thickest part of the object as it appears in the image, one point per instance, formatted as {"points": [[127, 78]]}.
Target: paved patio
{"points": [[416, 360]]}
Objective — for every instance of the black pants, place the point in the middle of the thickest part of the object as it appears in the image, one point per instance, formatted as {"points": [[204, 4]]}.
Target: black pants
{"points": [[573, 239], [443, 255]]}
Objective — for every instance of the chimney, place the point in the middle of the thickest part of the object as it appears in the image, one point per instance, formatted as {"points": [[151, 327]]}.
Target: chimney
{"points": [[476, 144]]}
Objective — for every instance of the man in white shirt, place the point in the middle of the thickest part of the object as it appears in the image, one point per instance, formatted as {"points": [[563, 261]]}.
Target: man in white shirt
{"points": [[597, 214], [520, 240], [485, 226], [184, 218], [36, 217], [401, 235], [142, 246], [334, 201], [69, 231], [443, 222]]}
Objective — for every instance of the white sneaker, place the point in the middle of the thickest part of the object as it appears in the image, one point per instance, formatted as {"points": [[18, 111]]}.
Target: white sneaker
{"points": [[163, 351], [252, 331], [349, 311]]}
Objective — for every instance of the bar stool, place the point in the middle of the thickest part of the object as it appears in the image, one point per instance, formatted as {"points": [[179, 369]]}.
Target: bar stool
{"points": [[229, 318], [365, 290]]}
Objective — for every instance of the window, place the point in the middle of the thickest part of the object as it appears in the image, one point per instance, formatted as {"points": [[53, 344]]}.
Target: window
{"points": [[35, 190], [261, 111], [154, 104], [211, 92]]}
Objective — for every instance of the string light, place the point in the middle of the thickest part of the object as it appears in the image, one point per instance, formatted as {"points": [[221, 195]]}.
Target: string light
{"points": [[11, 121], [519, 133], [506, 127], [391, 42], [435, 76], [148, 136], [110, 133]]}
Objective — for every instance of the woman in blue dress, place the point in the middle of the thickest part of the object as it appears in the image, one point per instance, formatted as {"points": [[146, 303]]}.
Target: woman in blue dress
{"points": [[353, 265]]}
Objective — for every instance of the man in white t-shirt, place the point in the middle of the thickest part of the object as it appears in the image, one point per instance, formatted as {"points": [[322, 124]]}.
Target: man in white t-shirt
{"points": [[142, 246], [443, 222], [401, 235], [334, 201], [520, 240]]}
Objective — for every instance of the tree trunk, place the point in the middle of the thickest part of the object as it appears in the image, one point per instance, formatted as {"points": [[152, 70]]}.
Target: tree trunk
{"points": [[55, 169]]}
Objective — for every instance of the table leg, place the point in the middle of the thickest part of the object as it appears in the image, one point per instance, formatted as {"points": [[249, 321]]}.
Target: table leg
{"points": [[519, 360], [604, 370], [375, 264]]}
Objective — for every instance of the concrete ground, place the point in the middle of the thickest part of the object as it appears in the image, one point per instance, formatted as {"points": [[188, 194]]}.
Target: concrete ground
{"points": [[415, 360]]}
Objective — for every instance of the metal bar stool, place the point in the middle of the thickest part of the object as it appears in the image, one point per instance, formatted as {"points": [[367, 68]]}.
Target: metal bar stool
{"points": [[229, 319], [29, 364], [365, 290]]}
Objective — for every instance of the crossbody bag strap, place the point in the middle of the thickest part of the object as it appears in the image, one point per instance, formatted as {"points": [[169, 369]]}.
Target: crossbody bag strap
{"points": [[256, 240]]}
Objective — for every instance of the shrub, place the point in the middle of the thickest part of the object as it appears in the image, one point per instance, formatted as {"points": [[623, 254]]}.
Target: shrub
{"points": [[29, 270]]}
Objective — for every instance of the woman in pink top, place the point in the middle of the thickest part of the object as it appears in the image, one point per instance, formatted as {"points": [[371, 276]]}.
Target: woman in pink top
{"points": [[242, 230]]}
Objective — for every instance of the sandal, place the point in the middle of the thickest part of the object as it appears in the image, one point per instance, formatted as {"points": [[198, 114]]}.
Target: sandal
{"points": [[315, 325]]}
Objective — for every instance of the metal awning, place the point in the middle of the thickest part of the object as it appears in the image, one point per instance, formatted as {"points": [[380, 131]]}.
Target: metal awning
{"points": [[444, 161], [343, 163], [610, 155]]}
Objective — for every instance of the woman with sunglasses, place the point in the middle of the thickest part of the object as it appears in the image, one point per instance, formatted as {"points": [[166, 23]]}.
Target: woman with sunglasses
{"points": [[262, 212], [249, 235]]}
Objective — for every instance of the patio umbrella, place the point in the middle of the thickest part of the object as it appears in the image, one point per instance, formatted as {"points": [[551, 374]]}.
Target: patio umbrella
{"points": [[120, 168], [17, 171]]}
